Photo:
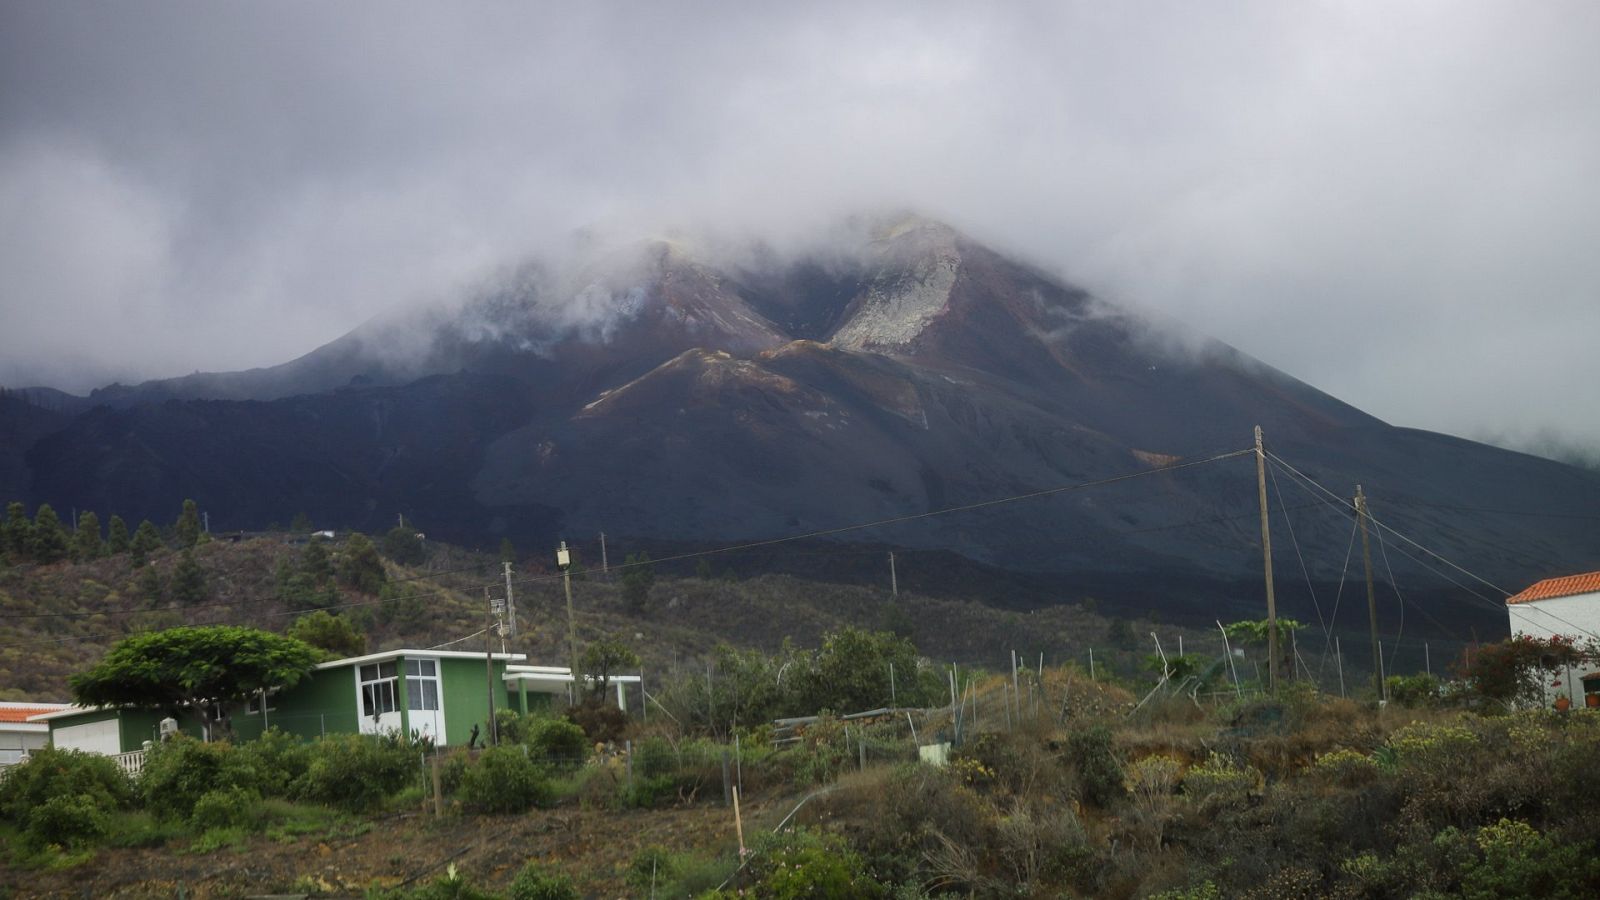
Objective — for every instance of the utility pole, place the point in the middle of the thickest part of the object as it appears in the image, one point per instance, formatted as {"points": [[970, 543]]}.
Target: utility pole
{"points": [[1266, 557], [1372, 597], [894, 581], [488, 665], [604, 568], [205, 517], [564, 563], [511, 607]]}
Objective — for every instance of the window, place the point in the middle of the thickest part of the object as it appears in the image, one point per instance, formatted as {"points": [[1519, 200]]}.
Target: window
{"points": [[253, 707], [422, 684], [378, 689]]}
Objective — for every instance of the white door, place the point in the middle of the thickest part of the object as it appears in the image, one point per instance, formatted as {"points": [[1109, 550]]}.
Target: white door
{"points": [[423, 705], [378, 696], [91, 737]]}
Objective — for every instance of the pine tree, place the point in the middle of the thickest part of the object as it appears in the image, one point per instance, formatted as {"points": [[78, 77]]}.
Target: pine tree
{"points": [[86, 543], [402, 545], [314, 561], [361, 567], [188, 581], [150, 586], [508, 552], [146, 541], [117, 541], [300, 524], [187, 528], [638, 575], [48, 541], [16, 534]]}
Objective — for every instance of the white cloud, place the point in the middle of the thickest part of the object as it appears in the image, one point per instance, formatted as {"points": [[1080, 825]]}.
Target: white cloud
{"points": [[1394, 202]]}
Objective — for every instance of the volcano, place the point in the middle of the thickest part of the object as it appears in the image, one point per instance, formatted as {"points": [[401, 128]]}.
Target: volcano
{"points": [[698, 399]]}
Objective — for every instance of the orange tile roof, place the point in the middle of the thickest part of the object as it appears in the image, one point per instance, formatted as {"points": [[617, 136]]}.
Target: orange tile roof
{"points": [[1559, 587], [21, 713]]}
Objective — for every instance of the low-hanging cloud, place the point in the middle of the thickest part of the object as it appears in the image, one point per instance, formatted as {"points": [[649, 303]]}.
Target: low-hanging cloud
{"points": [[1394, 202]]}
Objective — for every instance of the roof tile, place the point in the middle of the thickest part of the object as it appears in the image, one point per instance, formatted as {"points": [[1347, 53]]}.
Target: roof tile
{"points": [[1560, 587]]}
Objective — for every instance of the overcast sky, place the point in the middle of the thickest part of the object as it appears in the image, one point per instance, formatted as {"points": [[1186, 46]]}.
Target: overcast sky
{"points": [[1396, 202]]}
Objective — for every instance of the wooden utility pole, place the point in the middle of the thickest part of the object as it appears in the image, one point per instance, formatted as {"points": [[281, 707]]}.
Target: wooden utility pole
{"points": [[564, 563], [605, 569], [894, 582], [1372, 597], [511, 607], [1266, 557], [492, 733]]}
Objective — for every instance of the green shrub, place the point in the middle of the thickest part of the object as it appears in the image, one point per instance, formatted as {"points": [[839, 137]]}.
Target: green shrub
{"points": [[50, 773], [1220, 781], [356, 772], [533, 883], [452, 885], [654, 757], [651, 867], [803, 863], [1348, 768], [1419, 690], [68, 821], [230, 807], [277, 760], [560, 742], [505, 780], [179, 771], [1100, 776], [1518, 861]]}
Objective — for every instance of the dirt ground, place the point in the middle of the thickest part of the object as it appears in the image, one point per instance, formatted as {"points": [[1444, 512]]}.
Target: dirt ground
{"points": [[593, 847]]}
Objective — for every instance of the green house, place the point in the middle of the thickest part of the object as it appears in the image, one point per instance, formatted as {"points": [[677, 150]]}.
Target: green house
{"points": [[438, 694]]}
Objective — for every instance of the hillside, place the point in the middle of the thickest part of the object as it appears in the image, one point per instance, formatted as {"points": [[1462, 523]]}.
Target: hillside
{"points": [[674, 395], [60, 618]]}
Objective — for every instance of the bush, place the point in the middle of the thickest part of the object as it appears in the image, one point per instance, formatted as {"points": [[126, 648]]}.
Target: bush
{"points": [[356, 772], [179, 771], [803, 863], [559, 741], [505, 780], [68, 821], [1220, 781], [533, 883], [277, 760], [232, 807], [1419, 690], [1099, 772], [1347, 768], [51, 773]]}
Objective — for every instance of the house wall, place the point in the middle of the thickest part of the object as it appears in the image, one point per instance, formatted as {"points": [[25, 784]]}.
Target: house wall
{"points": [[15, 743], [465, 697], [134, 727], [323, 702], [1577, 617]]}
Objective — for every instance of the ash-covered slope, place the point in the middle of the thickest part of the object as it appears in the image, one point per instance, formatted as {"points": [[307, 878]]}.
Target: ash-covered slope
{"points": [[664, 393]]}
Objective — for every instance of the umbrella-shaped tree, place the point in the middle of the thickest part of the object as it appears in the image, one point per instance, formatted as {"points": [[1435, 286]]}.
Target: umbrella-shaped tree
{"points": [[183, 671]]}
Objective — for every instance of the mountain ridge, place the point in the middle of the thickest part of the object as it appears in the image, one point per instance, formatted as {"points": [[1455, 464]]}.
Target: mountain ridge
{"points": [[664, 393]]}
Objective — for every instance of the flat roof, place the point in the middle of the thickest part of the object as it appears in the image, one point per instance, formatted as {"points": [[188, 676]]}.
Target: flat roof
{"points": [[437, 654]]}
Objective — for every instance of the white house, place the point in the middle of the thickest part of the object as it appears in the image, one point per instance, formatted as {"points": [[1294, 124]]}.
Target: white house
{"points": [[1569, 607], [18, 736]]}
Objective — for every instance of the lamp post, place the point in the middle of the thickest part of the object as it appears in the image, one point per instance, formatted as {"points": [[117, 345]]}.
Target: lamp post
{"points": [[564, 563]]}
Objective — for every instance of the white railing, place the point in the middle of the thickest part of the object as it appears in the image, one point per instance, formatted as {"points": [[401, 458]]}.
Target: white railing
{"points": [[130, 763]]}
